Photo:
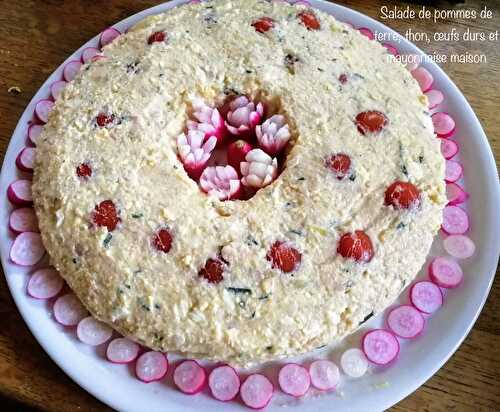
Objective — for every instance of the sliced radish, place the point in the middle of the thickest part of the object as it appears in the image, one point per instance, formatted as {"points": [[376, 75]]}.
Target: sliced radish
{"points": [[122, 350], [354, 363], [45, 284], [93, 332], [190, 377], [455, 220], [294, 379], [413, 61], [56, 88], [151, 366], [27, 249], [380, 346], [108, 35], [435, 98], [391, 49], [405, 322], [71, 70], [23, 220], [256, 392], [453, 171], [366, 32], [459, 246], [426, 296], [89, 53], [449, 148], [423, 77], [224, 383], [34, 132], [444, 125], [445, 272], [19, 193], [25, 160], [42, 110], [348, 24], [325, 375], [455, 194], [68, 310]]}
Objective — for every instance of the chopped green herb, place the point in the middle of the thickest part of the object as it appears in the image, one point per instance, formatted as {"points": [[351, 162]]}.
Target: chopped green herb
{"points": [[400, 225], [239, 290], [127, 285], [421, 159], [264, 297], [352, 177], [297, 232], [120, 291], [367, 317], [253, 315], [107, 239], [269, 348], [321, 347], [157, 306], [75, 261], [301, 179], [251, 241], [137, 215], [404, 170]]}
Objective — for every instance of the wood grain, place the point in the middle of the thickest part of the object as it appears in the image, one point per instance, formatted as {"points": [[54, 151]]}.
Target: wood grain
{"points": [[36, 36]]}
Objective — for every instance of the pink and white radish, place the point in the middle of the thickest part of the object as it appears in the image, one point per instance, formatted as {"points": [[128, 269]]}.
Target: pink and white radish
{"points": [[89, 53], [294, 379], [453, 171], [459, 246], [45, 284], [273, 134], [259, 169], [354, 363], [405, 321], [412, 62], [56, 89], [42, 110], [122, 350], [325, 375], [19, 193], [236, 153], [445, 272], [194, 153], [93, 332], [108, 35], [256, 392], [455, 220], [243, 116], [423, 77], [23, 220], [380, 346], [27, 249], [25, 160], [426, 296], [221, 182], [366, 32], [151, 366], [34, 132], [68, 310], [391, 49], [444, 125], [455, 194], [449, 148], [224, 383], [190, 377], [71, 70], [434, 97], [210, 122]]}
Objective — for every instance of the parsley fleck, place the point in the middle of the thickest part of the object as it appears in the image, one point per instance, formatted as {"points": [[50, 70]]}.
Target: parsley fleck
{"points": [[107, 240]]}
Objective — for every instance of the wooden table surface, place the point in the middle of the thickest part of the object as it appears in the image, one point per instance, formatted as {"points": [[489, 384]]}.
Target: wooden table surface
{"points": [[36, 36]]}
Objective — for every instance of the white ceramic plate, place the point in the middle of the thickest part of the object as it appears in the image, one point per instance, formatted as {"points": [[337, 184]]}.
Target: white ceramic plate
{"points": [[381, 388]]}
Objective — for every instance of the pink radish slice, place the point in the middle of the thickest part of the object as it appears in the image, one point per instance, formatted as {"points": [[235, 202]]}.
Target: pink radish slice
{"points": [[190, 377], [448, 148], [325, 375], [19, 193], [27, 249], [56, 88], [423, 77], [256, 392], [459, 246], [453, 171], [151, 366], [455, 220], [45, 284], [348, 24], [71, 70], [224, 383], [426, 296], [26, 159], [122, 350], [354, 363], [445, 272], [34, 132], [366, 32], [435, 98], [42, 110], [391, 49], [93, 332], [444, 125], [294, 379], [23, 220], [455, 194], [405, 322], [380, 346], [413, 61], [89, 53], [108, 35], [68, 310]]}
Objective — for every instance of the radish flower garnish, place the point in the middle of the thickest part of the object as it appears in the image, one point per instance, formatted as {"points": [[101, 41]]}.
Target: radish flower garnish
{"points": [[259, 170], [210, 122], [273, 134], [193, 152], [221, 182], [243, 116]]}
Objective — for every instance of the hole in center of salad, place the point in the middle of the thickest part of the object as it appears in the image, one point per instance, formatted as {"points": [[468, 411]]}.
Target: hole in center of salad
{"points": [[233, 149]]}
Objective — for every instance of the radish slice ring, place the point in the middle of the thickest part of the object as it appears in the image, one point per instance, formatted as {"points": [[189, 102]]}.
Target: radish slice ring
{"points": [[325, 375], [56, 88], [89, 53], [391, 49], [444, 125], [448, 148], [25, 160], [424, 78], [455, 194], [459, 246], [27, 249], [455, 220], [19, 193], [224, 383], [445, 272], [42, 110], [366, 32], [190, 377], [405, 321], [68, 310], [294, 379], [108, 35], [122, 350], [426, 296], [256, 392], [45, 284], [23, 220], [380, 346], [453, 171], [93, 332], [354, 363], [151, 366], [71, 70], [34, 132], [435, 98]]}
